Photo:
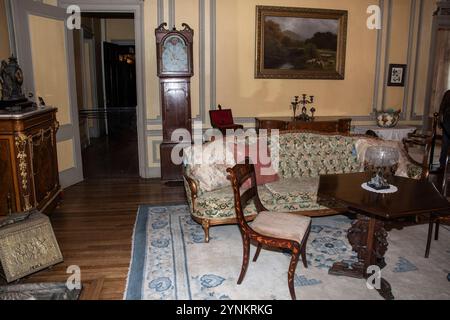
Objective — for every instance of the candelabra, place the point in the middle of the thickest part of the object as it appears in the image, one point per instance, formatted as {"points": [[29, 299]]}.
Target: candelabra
{"points": [[303, 102]]}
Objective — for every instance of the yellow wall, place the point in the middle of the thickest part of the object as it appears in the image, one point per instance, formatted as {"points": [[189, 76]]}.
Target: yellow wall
{"points": [[45, 33], [259, 97], [398, 47], [237, 88], [119, 29], [4, 37], [407, 40], [51, 83], [51, 2]]}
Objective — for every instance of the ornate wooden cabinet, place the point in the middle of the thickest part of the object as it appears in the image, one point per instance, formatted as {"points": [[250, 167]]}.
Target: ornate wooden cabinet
{"points": [[28, 161], [175, 69]]}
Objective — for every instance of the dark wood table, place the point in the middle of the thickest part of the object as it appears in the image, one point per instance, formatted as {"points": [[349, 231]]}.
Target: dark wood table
{"points": [[321, 124], [367, 235]]}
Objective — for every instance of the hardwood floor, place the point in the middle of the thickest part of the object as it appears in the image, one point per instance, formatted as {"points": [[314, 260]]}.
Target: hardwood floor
{"points": [[94, 225], [112, 156]]}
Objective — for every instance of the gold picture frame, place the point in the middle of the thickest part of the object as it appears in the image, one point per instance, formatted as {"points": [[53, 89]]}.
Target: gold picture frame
{"points": [[300, 43]]}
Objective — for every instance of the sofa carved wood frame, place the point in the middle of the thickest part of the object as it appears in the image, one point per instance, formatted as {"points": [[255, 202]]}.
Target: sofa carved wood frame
{"points": [[206, 223]]}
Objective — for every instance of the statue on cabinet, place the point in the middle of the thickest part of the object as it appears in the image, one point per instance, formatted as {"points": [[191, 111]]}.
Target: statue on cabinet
{"points": [[11, 80]]}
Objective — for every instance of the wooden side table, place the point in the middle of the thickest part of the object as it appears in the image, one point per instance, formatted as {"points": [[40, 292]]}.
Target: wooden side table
{"points": [[320, 124], [367, 234]]}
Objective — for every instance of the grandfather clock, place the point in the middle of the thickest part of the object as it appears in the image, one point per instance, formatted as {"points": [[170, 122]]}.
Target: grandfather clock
{"points": [[175, 69]]}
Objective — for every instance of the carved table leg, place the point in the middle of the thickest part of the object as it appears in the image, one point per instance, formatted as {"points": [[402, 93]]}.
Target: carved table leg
{"points": [[368, 238]]}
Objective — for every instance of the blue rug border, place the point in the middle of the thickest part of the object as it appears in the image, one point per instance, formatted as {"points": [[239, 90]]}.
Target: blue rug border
{"points": [[135, 276], [134, 281]]}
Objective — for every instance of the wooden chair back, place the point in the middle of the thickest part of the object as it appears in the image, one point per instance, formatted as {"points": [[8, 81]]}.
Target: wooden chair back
{"points": [[428, 142], [238, 175]]}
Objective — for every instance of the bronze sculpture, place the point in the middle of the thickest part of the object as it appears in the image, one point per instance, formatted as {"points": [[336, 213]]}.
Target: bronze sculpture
{"points": [[11, 80]]}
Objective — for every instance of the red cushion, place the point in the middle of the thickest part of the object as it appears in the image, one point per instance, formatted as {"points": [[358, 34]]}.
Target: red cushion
{"points": [[221, 117], [264, 172]]}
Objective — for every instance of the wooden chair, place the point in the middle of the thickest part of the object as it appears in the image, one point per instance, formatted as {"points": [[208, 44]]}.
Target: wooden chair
{"points": [[222, 119], [274, 229], [427, 142], [437, 218]]}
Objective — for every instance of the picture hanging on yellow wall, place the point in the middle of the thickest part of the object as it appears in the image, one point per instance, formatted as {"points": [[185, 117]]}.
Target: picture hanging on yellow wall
{"points": [[300, 43], [397, 75]]}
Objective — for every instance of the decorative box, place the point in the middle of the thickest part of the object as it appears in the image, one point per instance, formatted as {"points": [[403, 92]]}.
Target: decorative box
{"points": [[28, 246]]}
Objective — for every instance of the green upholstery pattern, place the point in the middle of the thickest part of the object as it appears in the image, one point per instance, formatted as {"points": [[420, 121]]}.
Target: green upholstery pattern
{"points": [[303, 157]]}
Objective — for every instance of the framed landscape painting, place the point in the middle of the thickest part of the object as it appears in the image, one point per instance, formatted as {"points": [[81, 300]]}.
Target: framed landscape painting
{"points": [[300, 43]]}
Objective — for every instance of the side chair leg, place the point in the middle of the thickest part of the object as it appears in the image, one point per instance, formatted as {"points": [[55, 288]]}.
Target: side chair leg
{"points": [[436, 234], [258, 250], [303, 248], [430, 234], [246, 257], [303, 253], [291, 271]]}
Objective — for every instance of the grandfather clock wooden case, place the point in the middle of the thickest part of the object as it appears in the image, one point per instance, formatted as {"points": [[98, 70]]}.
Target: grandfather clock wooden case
{"points": [[175, 69]]}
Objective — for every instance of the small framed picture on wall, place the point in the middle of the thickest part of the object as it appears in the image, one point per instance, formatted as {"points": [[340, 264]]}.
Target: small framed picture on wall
{"points": [[397, 75]]}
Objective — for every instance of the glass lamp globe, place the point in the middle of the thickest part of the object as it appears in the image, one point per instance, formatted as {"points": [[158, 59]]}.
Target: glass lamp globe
{"points": [[381, 162]]}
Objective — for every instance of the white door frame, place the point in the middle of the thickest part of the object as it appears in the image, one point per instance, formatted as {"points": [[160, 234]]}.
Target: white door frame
{"points": [[92, 76], [137, 8], [68, 131]]}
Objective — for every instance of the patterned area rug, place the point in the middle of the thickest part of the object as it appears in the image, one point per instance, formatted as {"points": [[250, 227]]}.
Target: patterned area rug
{"points": [[171, 261]]}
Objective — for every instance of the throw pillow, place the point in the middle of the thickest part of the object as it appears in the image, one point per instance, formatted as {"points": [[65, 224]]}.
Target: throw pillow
{"points": [[260, 158], [209, 162]]}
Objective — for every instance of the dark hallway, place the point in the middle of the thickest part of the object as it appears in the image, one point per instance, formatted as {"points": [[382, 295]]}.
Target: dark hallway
{"points": [[106, 85], [112, 156]]}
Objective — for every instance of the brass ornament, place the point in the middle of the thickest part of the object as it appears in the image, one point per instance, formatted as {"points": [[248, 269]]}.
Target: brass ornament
{"points": [[21, 145]]}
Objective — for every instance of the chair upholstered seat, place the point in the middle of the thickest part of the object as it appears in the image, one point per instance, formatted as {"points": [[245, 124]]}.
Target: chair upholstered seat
{"points": [[281, 225]]}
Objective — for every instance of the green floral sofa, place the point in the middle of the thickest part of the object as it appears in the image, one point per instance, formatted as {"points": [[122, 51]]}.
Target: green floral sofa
{"points": [[303, 157]]}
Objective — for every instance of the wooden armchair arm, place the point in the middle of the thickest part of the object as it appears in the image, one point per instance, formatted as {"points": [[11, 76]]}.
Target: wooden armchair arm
{"points": [[423, 143], [417, 135], [193, 187], [409, 141]]}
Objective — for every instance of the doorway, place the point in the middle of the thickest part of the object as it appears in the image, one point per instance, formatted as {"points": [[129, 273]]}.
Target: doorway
{"points": [[105, 55]]}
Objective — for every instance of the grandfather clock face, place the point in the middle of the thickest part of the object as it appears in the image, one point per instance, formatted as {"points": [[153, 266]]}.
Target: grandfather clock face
{"points": [[175, 55]]}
